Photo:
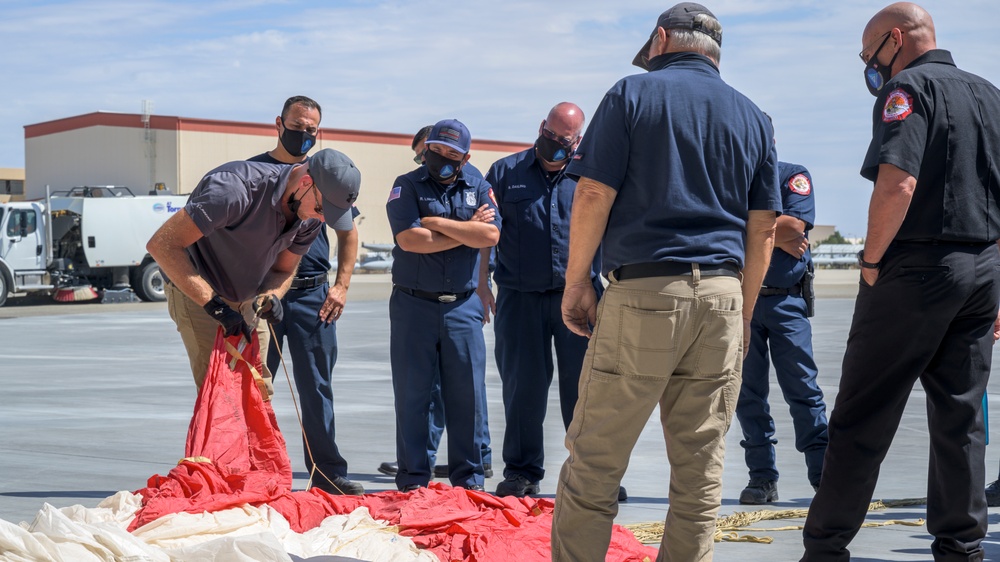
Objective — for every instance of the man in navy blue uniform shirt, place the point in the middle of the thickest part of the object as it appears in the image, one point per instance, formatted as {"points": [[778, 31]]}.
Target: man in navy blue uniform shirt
{"points": [[927, 303], [535, 197], [781, 325], [436, 415], [440, 216], [678, 189], [312, 306]]}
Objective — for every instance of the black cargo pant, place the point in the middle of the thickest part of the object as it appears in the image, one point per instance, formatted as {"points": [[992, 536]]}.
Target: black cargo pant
{"points": [[930, 317]]}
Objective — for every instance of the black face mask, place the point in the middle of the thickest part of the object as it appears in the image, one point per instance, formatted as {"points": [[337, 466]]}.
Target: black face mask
{"points": [[877, 75], [297, 143], [294, 204], [552, 151], [440, 168]]}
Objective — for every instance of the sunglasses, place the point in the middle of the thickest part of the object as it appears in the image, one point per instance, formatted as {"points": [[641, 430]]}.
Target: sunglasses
{"points": [[419, 158], [566, 142]]}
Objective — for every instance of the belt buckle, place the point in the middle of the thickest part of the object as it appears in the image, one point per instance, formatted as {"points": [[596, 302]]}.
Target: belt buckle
{"points": [[447, 298]]}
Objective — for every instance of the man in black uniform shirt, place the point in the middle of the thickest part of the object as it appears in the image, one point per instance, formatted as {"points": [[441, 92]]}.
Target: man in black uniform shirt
{"points": [[927, 306]]}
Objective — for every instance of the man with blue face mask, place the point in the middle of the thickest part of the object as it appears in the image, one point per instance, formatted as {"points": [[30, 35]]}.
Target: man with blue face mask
{"points": [[440, 217], [927, 305]]}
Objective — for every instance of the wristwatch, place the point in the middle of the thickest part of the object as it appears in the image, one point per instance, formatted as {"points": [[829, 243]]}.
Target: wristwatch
{"points": [[867, 264]]}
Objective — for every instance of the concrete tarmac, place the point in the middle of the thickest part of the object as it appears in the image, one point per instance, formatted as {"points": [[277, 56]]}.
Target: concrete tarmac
{"points": [[97, 398]]}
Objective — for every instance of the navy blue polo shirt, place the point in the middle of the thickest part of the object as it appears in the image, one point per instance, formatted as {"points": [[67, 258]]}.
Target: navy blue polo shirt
{"points": [[416, 195], [797, 201], [237, 208], [688, 155], [535, 208]]}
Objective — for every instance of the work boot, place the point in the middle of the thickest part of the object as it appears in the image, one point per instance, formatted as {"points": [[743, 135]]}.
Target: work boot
{"points": [[993, 494], [517, 486], [388, 468], [759, 491], [339, 487], [441, 470]]}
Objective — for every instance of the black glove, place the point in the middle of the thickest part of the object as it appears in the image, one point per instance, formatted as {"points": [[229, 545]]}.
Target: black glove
{"points": [[269, 307], [231, 320]]}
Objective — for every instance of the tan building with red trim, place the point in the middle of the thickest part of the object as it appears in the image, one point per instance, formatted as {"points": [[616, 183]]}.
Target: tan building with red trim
{"points": [[104, 148]]}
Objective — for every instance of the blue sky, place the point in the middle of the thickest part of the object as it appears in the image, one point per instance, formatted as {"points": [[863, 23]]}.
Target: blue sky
{"points": [[498, 66]]}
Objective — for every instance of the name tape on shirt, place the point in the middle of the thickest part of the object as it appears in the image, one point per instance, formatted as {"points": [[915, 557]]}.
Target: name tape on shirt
{"points": [[799, 183], [394, 194], [898, 106]]}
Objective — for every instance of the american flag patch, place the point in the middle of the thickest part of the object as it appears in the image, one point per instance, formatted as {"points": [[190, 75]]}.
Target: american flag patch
{"points": [[394, 194]]}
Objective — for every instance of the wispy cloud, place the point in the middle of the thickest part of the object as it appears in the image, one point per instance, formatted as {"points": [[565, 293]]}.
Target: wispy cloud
{"points": [[394, 66]]}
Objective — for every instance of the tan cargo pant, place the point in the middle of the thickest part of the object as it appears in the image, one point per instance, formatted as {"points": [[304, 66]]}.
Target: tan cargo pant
{"points": [[675, 342], [198, 330]]}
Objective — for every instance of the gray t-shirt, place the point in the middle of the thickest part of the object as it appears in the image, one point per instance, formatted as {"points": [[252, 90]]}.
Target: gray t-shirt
{"points": [[237, 207]]}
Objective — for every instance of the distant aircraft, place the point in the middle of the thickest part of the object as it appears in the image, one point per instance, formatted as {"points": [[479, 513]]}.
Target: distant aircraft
{"points": [[379, 258]]}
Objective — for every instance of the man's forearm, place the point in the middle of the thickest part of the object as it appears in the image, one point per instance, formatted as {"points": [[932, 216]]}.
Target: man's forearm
{"points": [[420, 240], [757, 258], [592, 203], [178, 268], [279, 278], [473, 234], [484, 266], [347, 255], [890, 201]]}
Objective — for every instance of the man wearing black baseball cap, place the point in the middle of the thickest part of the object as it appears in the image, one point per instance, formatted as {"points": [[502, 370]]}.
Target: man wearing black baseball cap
{"points": [[664, 146], [235, 246]]}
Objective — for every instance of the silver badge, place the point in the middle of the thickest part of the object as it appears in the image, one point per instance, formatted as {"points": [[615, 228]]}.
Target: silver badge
{"points": [[470, 198]]}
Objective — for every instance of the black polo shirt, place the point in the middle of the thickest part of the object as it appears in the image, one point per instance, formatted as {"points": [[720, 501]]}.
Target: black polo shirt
{"points": [[689, 156], [939, 124]]}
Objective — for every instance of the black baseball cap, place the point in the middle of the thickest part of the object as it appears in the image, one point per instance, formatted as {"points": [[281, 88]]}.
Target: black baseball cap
{"points": [[681, 16]]}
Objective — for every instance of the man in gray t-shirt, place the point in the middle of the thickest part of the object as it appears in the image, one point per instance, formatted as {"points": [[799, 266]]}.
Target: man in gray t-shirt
{"points": [[237, 243]]}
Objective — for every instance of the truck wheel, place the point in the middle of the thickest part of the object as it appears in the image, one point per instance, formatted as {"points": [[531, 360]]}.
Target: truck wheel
{"points": [[148, 283], [4, 287]]}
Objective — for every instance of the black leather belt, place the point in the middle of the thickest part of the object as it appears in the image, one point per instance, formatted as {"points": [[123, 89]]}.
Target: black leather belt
{"points": [[671, 268], [431, 296], [932, 242], [780, 291], [309, 282]]}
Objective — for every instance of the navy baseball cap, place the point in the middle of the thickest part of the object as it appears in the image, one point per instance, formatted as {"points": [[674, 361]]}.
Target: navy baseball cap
{"points": [[681, 16], [451, 133], [339, 181]]}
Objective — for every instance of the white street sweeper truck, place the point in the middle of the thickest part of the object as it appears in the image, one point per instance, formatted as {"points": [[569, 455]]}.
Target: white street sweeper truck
{"points": [[83, 244]]}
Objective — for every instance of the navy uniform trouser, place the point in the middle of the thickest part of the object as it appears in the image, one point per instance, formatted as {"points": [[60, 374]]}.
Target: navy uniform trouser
{"points": [[929, 317], [312, 345], [436, 422], [430, 340], [527, 325], [780, 326]]}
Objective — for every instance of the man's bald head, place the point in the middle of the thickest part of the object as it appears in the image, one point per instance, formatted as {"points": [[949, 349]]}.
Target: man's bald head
{"points": [[915, 31], [567, 115]]}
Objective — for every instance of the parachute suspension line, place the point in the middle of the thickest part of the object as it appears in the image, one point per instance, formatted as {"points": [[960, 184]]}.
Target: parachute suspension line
{"points": [[302, 429]]}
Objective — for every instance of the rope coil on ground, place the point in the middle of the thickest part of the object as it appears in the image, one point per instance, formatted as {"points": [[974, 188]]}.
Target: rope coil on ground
{"points": [[728, 528]]}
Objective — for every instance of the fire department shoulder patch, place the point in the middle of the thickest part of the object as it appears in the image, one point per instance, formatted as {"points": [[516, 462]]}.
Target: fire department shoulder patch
{"points": [[898, 106], [799, 183]]}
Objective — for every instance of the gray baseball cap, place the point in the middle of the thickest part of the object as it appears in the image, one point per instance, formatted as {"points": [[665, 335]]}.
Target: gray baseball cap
{"points": [[681, 16], [339, 181]]}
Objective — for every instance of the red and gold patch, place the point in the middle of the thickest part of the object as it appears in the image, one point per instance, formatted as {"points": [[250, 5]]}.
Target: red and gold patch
{"points": [[799, 183], [898, 106], [493, 198]]}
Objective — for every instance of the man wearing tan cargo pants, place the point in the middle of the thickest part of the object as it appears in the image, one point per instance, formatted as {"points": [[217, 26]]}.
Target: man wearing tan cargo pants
{"points": [[678, 186], [238, 242]]}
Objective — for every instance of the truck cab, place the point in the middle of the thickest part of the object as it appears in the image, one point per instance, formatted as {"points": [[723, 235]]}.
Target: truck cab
{"points": [[22, 248]]}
